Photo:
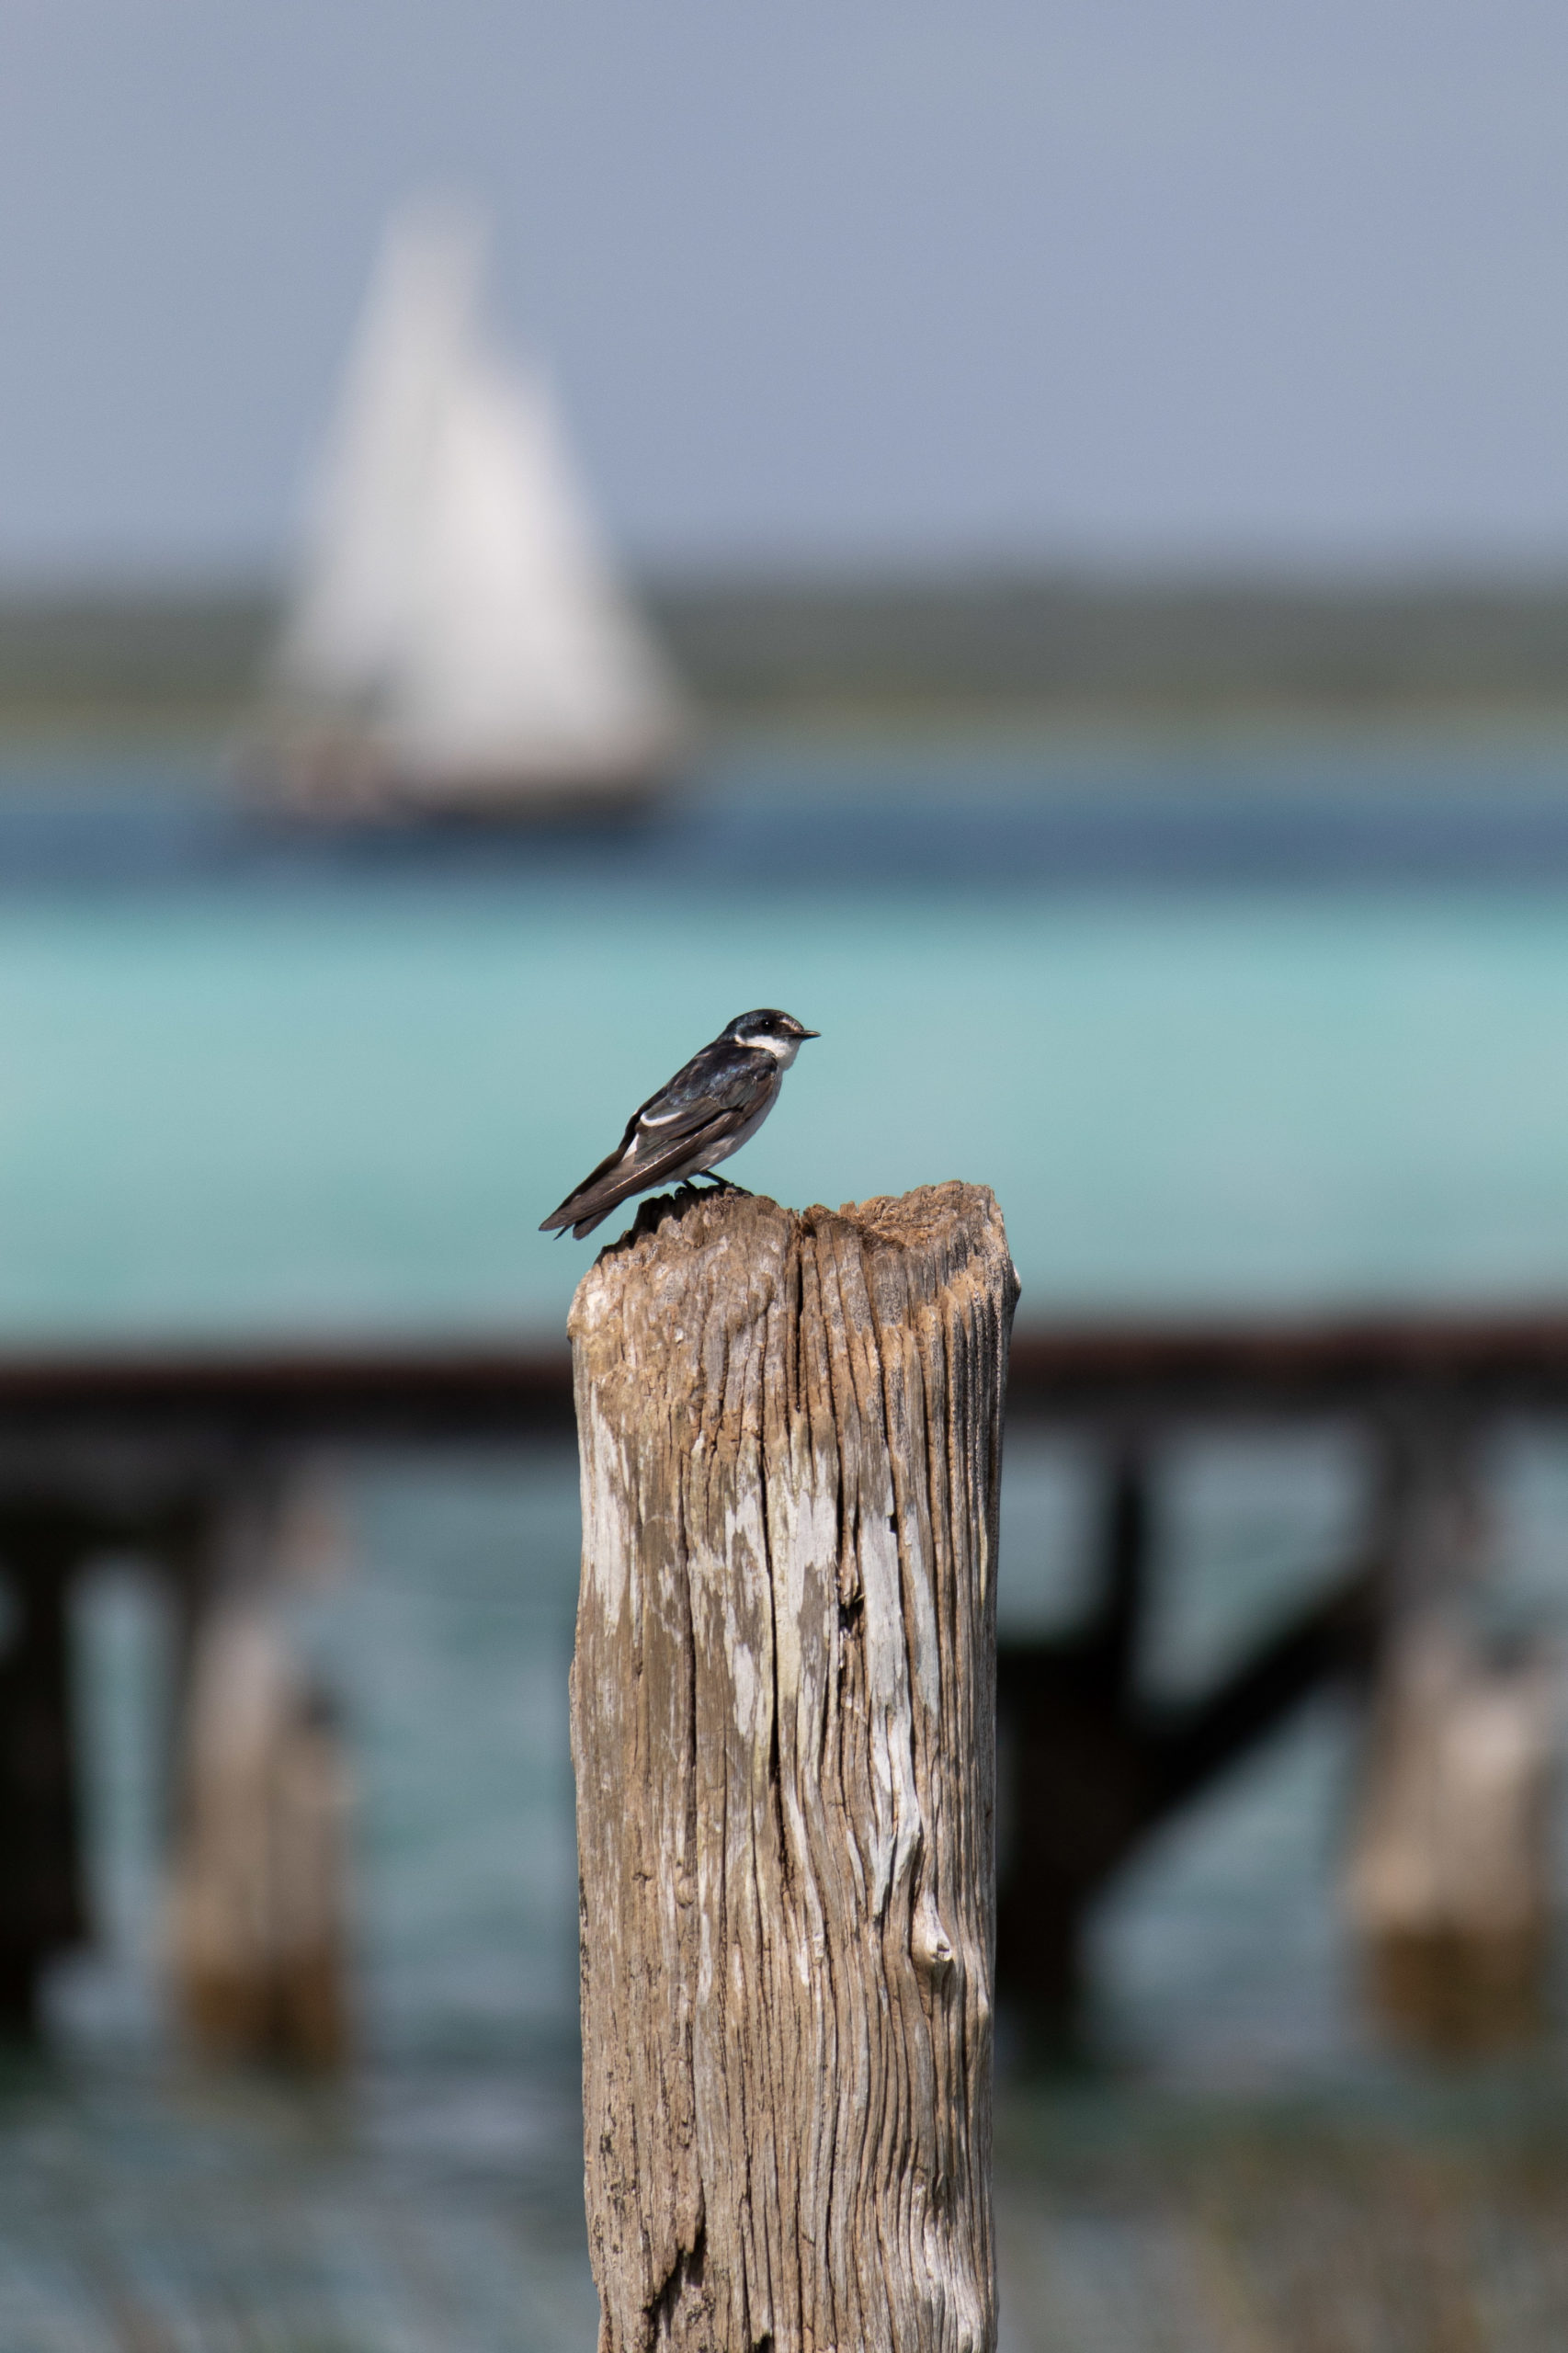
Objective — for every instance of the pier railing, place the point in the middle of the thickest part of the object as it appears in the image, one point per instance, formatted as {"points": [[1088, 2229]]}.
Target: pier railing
{"points": [[1074, 1372]]}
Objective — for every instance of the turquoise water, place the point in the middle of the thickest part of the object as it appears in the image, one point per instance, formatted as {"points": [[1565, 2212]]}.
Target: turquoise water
{"points": [[1223, 1026], [276, 1090]]}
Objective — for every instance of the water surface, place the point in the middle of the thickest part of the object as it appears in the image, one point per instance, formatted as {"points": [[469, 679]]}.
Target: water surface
{"points": [[1229, 1026], [1285, 1028]]}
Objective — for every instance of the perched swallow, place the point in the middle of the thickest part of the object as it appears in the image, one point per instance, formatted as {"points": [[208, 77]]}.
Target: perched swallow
{"points": [[707, 1111]]}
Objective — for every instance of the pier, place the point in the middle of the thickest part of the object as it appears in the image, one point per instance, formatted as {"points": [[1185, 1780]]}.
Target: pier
{"points": [[189, 1459]]}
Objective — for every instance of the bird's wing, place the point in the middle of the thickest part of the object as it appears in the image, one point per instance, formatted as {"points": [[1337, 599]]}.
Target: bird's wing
{"points": [[678, 1128], [638, 1170], [714, 1080]]}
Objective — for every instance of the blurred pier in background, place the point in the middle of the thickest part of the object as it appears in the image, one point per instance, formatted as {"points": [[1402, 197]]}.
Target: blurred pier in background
{"points": [[203, 1464]]}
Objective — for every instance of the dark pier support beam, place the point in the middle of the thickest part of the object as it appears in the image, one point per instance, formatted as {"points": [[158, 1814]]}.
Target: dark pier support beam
{"points": [[42, 1901], [1110, 1641], [1078, 1784], [1090, 1765]]}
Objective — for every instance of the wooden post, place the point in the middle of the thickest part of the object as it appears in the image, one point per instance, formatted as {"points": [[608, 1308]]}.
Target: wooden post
{"points": [[257, 1909], [782, 1728], [1449, 1884]]}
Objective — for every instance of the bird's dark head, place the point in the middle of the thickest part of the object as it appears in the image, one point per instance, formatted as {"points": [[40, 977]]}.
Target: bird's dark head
{"points": [[770, 1031]]}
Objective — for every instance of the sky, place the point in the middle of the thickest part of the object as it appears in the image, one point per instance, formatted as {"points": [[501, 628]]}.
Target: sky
{"points": [[1147, 284]]}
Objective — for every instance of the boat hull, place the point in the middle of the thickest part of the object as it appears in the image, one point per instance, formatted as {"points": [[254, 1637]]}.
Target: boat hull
{"points": [[334, 781]]}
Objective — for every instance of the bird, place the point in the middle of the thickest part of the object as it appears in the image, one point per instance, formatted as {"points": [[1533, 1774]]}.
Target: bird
{"points": [[712, 1106]]}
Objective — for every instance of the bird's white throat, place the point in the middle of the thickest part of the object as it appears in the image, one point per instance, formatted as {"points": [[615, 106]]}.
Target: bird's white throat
{"points": [[783, 1050]]}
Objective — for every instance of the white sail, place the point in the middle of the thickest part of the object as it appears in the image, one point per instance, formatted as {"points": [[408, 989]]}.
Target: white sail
{"points": [[459, 634]]}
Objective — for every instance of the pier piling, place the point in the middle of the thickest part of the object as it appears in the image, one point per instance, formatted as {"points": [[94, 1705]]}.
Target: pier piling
{"points": [[257, 1901], [783, 1736], [1449, 1879]]}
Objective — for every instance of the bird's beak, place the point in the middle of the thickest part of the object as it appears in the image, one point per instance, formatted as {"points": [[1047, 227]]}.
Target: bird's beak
{"points": [[810, 1033]]}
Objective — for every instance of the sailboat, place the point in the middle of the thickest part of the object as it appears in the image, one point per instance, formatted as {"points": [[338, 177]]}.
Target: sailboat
{"points": [[459, 640]]}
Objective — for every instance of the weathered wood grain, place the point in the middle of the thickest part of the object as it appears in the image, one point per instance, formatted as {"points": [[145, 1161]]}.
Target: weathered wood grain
{"points": [[782, 1721]]}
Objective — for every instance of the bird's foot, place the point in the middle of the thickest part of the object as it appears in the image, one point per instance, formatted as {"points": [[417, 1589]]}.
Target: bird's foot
{"points": [[724, 1184]]}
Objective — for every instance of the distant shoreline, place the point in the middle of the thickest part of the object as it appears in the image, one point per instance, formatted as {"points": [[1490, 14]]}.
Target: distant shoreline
{"points": [[988, 650]]}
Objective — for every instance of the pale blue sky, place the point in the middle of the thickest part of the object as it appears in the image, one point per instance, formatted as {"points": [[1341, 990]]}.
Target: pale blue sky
{"points": [[1169, 281]]}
